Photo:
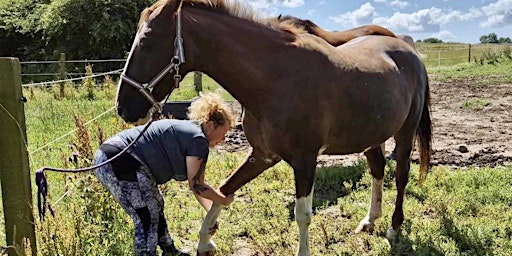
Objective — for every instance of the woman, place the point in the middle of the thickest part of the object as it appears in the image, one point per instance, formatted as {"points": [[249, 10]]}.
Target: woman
{"points": [[169, 149]]}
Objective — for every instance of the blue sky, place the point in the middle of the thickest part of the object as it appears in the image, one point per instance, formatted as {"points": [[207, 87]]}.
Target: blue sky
{"points": [[449, 20]]}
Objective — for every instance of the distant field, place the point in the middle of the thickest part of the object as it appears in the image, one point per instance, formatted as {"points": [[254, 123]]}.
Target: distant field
{"points": [[447, 54]]}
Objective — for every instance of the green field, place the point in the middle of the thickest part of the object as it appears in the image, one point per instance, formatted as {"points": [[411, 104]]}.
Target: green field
{"points": [[448, 54], [456, 212]]}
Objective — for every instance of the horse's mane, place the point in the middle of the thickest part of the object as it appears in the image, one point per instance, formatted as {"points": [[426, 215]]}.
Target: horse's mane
{"points": [[234, 8], [305, 25]]}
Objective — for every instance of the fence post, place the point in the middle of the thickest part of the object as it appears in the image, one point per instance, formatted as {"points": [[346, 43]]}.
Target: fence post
{"points": [[469, 54], [62, 72], [14, 164], [198, 81], [438, 58]]}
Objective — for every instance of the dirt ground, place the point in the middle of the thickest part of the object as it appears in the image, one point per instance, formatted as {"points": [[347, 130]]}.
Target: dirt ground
{"points": [[472, 126]]}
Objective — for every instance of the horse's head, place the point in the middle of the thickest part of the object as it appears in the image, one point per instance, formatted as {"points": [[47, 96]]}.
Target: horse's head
{"points": [[153, 65]]}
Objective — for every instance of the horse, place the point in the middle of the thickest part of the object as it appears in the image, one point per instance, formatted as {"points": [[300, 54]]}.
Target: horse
{"points": [[302, 96], [337, 38]]}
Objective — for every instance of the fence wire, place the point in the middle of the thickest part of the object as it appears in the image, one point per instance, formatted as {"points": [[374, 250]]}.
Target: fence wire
{"points": [[72, 79]]}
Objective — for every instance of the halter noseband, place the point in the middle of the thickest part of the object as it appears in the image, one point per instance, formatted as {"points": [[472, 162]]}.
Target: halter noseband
{"points": [[174, 65]]}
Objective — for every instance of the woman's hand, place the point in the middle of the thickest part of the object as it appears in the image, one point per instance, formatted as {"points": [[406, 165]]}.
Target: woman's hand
{"points": [[228, 199]]}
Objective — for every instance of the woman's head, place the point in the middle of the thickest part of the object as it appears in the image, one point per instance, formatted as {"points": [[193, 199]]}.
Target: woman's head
{"points": [[213, 114]]}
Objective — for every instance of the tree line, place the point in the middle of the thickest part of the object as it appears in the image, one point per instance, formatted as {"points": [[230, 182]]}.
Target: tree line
{"points": [[491, 38], [91, 29]]}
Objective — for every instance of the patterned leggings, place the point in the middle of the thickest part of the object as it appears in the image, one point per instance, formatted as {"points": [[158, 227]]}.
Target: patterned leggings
{"points": [[143, 201]]}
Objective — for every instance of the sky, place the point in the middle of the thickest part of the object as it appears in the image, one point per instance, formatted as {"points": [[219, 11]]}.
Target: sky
{"points": [[463, 21]]}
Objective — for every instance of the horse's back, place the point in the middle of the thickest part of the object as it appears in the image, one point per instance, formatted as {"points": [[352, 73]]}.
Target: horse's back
{"points": [[385, 79]]}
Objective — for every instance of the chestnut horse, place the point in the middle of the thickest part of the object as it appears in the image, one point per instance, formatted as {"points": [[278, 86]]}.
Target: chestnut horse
{"points": [[337, 38], [302, 96]]}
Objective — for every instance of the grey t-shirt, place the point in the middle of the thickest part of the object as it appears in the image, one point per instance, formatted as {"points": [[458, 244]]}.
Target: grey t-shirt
{"points": [[165, 145]]}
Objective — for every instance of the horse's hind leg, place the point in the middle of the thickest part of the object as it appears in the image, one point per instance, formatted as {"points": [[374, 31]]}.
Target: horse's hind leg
{"points": [[377, 163], [403, 147]]}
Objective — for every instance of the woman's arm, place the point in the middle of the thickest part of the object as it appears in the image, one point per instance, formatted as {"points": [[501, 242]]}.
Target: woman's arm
{"points": [[205, 194]]}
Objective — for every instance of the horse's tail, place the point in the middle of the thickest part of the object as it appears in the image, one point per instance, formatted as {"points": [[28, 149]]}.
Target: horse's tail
{"points": [[424, 133]]}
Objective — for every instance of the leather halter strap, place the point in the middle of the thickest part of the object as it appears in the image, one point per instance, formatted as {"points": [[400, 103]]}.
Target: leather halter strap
{"points": [[173, 67]]}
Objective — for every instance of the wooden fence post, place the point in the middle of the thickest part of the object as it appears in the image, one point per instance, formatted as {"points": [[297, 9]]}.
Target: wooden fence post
{"points": [[14, 164], [438, 58], [469, 54], [62, 72], [198, 81]]}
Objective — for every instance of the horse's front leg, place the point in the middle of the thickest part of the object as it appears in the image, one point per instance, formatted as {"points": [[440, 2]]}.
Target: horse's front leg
{"points": [[377, 163], [206, 245], [304, 166], [253, 165]]}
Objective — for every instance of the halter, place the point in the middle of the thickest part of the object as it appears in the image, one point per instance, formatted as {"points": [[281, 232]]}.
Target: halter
{"points": [[174, 66]]}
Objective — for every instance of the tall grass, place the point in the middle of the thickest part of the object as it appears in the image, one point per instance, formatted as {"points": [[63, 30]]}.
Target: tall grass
{"points": [[455, 212]]}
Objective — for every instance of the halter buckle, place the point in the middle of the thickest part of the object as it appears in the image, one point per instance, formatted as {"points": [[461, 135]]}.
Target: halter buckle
{"points": [[177, 79]]}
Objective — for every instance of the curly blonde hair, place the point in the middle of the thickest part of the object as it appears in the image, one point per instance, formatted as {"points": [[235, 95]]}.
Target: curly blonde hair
{"points": [[211, 107]]}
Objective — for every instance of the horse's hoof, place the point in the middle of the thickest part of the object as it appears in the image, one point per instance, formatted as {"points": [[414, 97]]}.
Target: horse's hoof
{"points": [[391, 234], [207, 253], [364, 226]]}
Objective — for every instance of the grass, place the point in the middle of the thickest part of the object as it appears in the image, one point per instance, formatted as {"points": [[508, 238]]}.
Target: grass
{"points": [[475, 103], [474, 73], [455, 212], [449, 54]]}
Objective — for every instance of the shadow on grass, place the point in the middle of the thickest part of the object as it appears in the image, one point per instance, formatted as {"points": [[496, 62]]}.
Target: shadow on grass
{"points": [[467, 239], [402, 245], [332, 183]]}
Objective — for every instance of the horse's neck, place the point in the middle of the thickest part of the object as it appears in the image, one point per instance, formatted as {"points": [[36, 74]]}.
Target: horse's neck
{"points": [[237, 56]]}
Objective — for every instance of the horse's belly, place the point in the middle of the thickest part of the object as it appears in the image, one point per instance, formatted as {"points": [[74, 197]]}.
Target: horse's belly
{"points": [[341, 149]]}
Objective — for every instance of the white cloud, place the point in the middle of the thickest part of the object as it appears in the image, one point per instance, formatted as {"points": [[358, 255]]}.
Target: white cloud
{"points": [[445, 17], [444, 35], [259, 4], [269, 7], [293, 3], [379, 1], [425, 20], [497, 14], [311, 12], [398, 4], [420, 21], [363, 15]]}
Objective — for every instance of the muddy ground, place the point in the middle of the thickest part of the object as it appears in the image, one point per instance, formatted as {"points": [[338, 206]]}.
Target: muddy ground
{"points": [[472, 126]]}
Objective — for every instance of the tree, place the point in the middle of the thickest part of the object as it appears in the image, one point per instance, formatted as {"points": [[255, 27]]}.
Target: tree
{"points": [[433, 40], [491, 38], [92, 29], [16, 26], [505, 40]]}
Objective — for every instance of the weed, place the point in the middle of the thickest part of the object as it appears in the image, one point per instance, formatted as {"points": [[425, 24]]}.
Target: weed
{"points": [[475, 103]]}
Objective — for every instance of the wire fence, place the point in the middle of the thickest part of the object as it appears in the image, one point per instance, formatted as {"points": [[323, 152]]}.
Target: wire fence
{"points": [[48, 83], [44, 71], [446, 54], [48, 72]]}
